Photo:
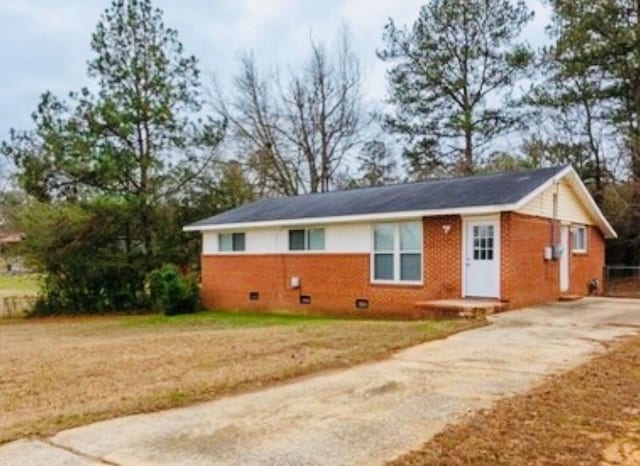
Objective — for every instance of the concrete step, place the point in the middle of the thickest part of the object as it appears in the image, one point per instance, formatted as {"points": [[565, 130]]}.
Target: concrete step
{"points": [[461, 308], [569, 297]]}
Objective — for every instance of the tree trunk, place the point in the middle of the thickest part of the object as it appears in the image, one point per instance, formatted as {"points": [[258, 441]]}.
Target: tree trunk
{"points": [[467, 164]]}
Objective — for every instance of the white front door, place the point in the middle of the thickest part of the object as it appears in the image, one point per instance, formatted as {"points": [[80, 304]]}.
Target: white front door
{"points": [[482, 259], [564, 258]]}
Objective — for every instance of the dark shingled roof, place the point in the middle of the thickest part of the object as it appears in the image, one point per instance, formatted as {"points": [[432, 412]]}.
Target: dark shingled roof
{"points": [[472, 191]]}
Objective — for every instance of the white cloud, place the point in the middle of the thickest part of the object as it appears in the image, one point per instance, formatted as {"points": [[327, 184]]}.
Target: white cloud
{"points": [[45, 44]]}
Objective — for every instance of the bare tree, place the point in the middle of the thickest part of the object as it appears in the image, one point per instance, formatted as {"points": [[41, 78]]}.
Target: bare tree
{"points": [[572, 126], [295, 132]]}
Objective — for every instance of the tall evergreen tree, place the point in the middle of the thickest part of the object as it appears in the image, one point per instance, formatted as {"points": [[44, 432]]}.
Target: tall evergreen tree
{"points": [[137, 137], [377, 165], [598, 42], [451, 76], [116, 156]]}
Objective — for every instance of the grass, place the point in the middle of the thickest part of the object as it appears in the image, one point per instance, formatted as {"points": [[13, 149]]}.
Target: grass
{"points": [[588, 416], [64, 372], [225, 320], [19, 285]]}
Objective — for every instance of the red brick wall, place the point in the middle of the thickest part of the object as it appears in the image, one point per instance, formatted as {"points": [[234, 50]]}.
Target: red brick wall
{"points": [[334, 281], [526, 277], [586, 267]]}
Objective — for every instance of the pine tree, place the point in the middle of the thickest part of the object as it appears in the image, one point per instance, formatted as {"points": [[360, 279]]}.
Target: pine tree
{"points": [[452, 74]]}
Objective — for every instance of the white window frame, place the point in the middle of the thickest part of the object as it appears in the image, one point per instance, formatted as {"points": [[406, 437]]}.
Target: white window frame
{"points": [[574, 229], [306, 240], [397, 252], [231, 234]]}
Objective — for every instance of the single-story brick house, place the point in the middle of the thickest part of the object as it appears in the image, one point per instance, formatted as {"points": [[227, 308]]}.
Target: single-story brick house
{"points": [[519, 238]]}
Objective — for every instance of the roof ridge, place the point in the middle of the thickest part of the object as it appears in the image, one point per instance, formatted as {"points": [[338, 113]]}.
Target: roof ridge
{"points": [[486, 189], [557, 168]]}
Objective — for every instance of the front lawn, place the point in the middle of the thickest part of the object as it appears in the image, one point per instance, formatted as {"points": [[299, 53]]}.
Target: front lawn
{"points": [[19, 285], [587, 416], [64, 372]]}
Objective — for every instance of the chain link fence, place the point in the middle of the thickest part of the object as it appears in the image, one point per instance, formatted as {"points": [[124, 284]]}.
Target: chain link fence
{"points": [[622, 281]]}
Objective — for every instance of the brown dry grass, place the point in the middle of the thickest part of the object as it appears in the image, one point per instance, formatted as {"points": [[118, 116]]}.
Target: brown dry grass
{"points": [[60, 373], [624, 287], [588, 416]]}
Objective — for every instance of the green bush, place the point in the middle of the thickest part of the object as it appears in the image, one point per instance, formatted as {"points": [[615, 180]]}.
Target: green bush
{"points": [[171, 292], [87, 267]]}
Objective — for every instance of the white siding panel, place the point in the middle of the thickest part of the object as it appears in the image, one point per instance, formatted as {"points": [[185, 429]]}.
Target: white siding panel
{"points": [[339, 239], [350, 238], [209, 243], [267, 241], [570, 208]]}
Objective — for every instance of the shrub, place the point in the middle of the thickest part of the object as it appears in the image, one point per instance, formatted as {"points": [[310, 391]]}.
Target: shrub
{"points": [[171, 292], [86, 266]]}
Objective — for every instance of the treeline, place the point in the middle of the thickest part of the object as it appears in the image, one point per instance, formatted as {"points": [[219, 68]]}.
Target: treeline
{"points": [[108, 175]]}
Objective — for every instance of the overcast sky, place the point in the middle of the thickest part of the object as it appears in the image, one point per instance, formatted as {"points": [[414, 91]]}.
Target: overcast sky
{"points": [[44, 44]]}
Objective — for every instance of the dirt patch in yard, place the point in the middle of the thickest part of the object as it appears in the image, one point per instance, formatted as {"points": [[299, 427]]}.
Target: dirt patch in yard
{"points": [[60, 373], [588, 416], [624, 287]]}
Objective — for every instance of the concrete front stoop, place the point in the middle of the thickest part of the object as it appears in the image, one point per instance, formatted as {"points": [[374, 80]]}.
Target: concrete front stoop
{"points": [[569, 297], [461, 308]]}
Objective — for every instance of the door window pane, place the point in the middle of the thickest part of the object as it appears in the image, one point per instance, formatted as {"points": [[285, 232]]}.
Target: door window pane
{"points": [[483, 242], [316, 239], [410, 267], [410, 236], [383, 267], [296, 240], [383, 237]]}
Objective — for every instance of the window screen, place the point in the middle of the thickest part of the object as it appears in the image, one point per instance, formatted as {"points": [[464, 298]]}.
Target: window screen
{"points": [[579, 238], [397, 252], [296, 240], [231, 242], [316, 239]]}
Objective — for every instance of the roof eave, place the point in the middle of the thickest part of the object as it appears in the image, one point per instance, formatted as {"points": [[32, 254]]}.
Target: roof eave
{"points": [[581, 190], [358, 218], [583, 194]]}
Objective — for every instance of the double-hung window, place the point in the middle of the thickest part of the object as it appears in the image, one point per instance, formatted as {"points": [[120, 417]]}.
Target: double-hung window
{"points": [[397, 252], [579, 238], [231, 242], [310, 239]]}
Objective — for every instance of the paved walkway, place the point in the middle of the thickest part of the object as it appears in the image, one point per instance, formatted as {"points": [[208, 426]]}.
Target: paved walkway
{"points": [[359, 416]]}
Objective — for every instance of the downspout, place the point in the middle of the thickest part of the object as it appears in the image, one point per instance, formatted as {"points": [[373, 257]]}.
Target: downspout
{"points": [[554, 220]]}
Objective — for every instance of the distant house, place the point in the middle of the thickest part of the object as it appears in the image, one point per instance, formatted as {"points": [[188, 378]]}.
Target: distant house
{"points": [[8, 241], [517, 238]]}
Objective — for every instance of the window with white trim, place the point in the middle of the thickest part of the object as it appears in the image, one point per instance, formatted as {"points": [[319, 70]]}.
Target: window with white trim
{"points": [[397, 252], [579, 233], [231, 242], [309, 239]]}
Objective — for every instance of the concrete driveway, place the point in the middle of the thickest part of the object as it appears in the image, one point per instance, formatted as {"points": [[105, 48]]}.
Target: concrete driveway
{"points": [[359, 416]]}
